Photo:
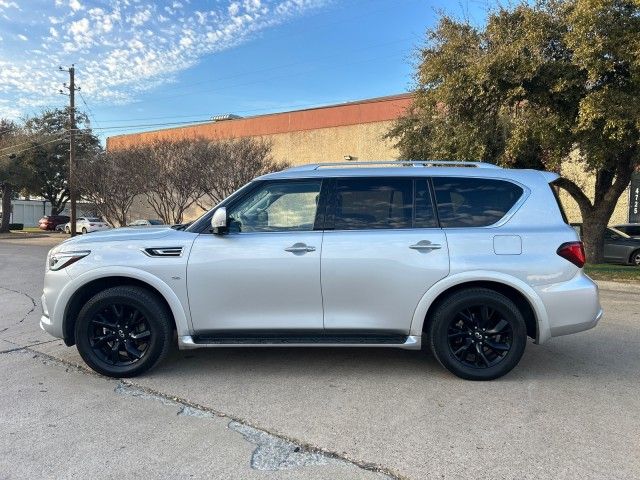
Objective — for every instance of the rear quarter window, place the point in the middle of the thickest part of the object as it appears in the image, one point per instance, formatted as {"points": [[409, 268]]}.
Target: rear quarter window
{"points": [[473, 202]]}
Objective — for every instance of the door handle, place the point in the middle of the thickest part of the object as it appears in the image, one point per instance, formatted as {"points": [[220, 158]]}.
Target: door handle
{"points": [[300, 248], [424, 245]]}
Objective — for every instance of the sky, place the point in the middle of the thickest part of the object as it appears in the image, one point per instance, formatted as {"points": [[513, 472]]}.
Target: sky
{"points": [[143, 65]]}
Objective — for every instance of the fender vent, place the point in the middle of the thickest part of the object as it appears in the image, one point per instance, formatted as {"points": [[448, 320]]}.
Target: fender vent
{"points": [[163, 251]]}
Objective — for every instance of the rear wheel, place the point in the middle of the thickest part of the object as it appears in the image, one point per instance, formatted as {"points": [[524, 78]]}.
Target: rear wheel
{"points": [[477, 334], [84, 230], [634, 259], [123, 331]]}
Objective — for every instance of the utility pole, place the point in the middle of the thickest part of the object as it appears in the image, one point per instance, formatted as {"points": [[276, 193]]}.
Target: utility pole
{"points": [[72, 144]]}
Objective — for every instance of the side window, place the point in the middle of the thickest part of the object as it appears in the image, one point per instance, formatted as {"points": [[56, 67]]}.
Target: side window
{"points": [[473, 202], [277, 207], [425, 216], [373, 203]]}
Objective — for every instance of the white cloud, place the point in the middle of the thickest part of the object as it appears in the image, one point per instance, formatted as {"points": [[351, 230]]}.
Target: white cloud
{"points": [[125, 47], [141, 17], [75, 5], [7, 4], [24, 38]]}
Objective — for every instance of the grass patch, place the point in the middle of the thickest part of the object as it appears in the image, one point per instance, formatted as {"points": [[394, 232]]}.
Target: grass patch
{"points": [[31, 230], [615, 273]]}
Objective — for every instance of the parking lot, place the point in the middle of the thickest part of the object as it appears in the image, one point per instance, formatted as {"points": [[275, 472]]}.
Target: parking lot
{"points": [[569, 410]]}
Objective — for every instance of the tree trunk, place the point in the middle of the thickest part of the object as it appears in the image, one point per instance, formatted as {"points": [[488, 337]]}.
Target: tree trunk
{"points": [[596, 216], [593, 229], [6, 207]]}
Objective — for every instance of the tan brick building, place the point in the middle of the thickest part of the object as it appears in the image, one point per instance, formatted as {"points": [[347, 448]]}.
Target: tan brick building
{"points": [[352, 131]]}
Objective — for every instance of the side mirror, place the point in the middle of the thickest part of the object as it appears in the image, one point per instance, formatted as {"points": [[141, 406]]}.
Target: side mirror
{"points": [[219, 221]]}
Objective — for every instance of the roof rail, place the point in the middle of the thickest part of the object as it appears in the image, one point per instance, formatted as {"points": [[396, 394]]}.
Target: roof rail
{"points": [[396, 163]]}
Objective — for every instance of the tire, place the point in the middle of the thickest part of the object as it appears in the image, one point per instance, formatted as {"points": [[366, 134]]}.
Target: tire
{"points": [[67, 230], [117, 342], [457, 339], [634, 258], [84, 230]]}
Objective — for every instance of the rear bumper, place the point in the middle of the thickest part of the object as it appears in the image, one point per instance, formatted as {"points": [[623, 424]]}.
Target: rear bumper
{"points": [[572, 306]]}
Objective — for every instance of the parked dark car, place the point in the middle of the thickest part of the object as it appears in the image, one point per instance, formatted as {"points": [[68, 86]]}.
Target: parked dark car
{"points": [[618, 246], [631, 229], [50, 222]]}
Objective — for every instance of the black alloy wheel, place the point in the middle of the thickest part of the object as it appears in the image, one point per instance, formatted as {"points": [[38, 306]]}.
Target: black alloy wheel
{"points": [[119, 334], [477, 334], [635, 258], [479, 337], [124, 331]]}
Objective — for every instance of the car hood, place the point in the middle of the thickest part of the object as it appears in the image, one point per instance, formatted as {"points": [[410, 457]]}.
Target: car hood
{"points": [[124, 235]]}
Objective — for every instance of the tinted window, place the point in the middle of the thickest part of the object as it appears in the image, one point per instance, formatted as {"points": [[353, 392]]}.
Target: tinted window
{"points": [[473, 202], [277, 207], [372, 203], [629, 229]]}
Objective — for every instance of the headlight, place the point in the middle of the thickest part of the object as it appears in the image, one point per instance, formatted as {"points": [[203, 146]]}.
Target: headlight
{"points": [[60, 260]]}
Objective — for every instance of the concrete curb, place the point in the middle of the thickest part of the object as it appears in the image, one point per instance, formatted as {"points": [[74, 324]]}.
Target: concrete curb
{"points": [[619, 286]]}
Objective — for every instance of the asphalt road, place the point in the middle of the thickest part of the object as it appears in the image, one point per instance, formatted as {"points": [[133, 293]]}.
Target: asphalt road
{"points": [[571, 409]]}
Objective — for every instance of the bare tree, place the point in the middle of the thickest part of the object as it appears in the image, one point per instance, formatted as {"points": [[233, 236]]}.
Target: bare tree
{"points": [[175, 176], [112, 181], [234, 163]]}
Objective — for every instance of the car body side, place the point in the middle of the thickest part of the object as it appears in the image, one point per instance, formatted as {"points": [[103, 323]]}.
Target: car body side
{"points": [[517, 254]]}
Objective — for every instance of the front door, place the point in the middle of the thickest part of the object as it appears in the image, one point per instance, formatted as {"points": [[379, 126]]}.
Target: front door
{"points": [[263, 275], [381, 252]]}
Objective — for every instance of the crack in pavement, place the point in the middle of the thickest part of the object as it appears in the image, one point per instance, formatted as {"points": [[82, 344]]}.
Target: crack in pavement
{"points": [[34, 304], [274, 451], [25, 347]]}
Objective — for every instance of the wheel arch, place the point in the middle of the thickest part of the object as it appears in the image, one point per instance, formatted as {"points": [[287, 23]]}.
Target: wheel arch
{"points": [[88, 287], [517, 291]]}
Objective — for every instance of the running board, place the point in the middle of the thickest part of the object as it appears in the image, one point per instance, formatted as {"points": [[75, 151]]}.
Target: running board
{"points": [[299, 340]]}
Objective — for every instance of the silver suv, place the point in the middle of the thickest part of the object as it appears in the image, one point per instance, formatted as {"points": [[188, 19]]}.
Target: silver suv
{"points": [[466, 258]]}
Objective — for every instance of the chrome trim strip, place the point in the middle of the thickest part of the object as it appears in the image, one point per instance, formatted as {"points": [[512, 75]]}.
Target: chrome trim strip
{"points": [[413, 342], [158, 252]]}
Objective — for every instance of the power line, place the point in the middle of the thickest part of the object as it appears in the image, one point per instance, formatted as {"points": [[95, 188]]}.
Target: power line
{"points": [[90, 112], [23, 143], [34, 146]]}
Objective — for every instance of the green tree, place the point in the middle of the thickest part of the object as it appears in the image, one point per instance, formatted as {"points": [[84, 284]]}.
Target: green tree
{"points": [[12, 171], [534, 85], [47, 158]]}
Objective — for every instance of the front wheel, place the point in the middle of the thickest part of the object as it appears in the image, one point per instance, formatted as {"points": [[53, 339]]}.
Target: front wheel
{"points": [[84, 230], [477, 334], [123, 331], [634, 259]]}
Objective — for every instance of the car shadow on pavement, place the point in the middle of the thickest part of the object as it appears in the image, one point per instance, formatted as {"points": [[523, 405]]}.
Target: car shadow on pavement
{"points": [[585, 355]]}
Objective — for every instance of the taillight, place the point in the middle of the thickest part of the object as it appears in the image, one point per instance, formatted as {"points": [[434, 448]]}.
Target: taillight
{"points": [[574, 252], [92, 224]]}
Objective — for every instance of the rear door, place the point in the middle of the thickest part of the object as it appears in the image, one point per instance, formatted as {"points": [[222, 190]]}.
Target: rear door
{"points": [[382, 250]]}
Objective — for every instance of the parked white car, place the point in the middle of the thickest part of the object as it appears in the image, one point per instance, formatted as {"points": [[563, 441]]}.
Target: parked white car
{"points": [[146, 222], [88, 225], [467, 259]]}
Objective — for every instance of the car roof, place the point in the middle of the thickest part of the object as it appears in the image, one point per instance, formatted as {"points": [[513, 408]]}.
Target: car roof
{"points": [[396, 168]]}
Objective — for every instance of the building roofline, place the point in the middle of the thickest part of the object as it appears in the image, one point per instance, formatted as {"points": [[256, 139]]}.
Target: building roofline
{"points": [[402, 97]]}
